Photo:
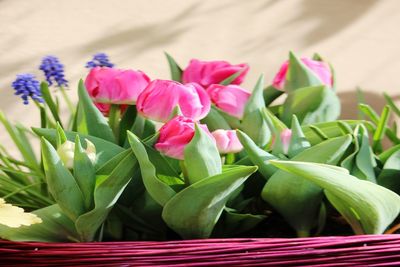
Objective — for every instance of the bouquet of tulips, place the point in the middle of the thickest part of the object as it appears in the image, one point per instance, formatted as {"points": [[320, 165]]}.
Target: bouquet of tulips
{"points": [[197, 156]]}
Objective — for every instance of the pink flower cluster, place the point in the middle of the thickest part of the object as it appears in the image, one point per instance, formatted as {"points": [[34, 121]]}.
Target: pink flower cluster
{"points": [[201, 88]]}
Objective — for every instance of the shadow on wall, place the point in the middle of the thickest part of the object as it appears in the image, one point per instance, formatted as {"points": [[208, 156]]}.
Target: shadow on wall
{"points": [[138, 39], [327, 17]]}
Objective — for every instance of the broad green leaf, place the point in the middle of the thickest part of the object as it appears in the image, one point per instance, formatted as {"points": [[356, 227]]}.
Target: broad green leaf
{"points": [[176, 71], [157, 189], [127, 120], [84, 173], [215, 120], [201, 156], [298, 200], [61, 183], [385, 155], [253, 123], [106, 194], [106, 150], [299, 75], [55, 227], [90, 121], [390, 174], [311, 105], [367, 207], [194, 211], [258, 156]]}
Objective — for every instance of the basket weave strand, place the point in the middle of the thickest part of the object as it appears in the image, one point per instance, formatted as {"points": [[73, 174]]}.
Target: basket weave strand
{"points": [[376, 250]]}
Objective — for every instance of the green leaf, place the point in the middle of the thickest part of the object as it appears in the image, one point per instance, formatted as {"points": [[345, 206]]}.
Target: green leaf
{"points": [[385, 155], [299, 75], [311, 105], [233, 223], [298, 200], [55, 227], [215, 120], [176, 71], [157, 189], [258, 157], [105, 150], [330, 129], [194, 211], [44, 88], [90, 120], [253, 123], [361, 162], [106, 194], [390, 174], [127, 120], [84, 174], [201, 156], [298, 141], [380, 129], [61, 183], [231, 78], [61, 138], [367, 207]]}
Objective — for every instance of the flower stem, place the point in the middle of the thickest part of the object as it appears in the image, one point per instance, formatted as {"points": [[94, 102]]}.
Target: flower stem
{"points": [[113, 119], [67, 100]]}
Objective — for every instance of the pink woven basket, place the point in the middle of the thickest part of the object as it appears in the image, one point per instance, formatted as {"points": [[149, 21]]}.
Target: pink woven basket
{"points": [[377, 250]]}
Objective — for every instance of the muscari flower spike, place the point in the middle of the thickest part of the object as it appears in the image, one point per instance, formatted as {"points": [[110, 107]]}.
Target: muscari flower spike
{"points": [[53, 70], [99, 60], [27, 86]]}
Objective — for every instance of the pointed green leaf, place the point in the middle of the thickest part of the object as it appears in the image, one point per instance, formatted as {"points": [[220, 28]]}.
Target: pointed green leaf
{"points": [[215, 120], [368, 208], [270, 94], [253, 123], [176, 71], [90, 120], [258, 157], [61, 183], [299, 75], [44, 88], [106, 194], [298, 141], [297, 199], [84, 173], [201, 156], [157, 189], [194, 211]]}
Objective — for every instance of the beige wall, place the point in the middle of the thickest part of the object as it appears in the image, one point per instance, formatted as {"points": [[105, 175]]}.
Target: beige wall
{"points": [[361, 38]]}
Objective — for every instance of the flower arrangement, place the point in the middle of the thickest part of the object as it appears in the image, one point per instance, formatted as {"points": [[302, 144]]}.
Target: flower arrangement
{"points": [[197, 156]]}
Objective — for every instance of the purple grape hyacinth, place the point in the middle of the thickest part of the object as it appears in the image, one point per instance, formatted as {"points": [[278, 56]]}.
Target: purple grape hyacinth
{"points": [[53, 70], [27, 86], [99, 60]]}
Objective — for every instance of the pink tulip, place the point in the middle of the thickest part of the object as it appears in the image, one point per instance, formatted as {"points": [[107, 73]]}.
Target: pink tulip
{"points": [[227, 141], [160, 97], [105, 108], [114, 86], [206, 73], [286, 135], [230, 99], [175, 135], [318, 67]]}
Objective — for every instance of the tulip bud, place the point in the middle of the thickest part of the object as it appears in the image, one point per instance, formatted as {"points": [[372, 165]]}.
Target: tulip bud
{"points": [[66, 152], [227, 141], [231, 99], [114, 86], [206, 73], [175, 135], [160, 98], [286, 136], [320, 69]]}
